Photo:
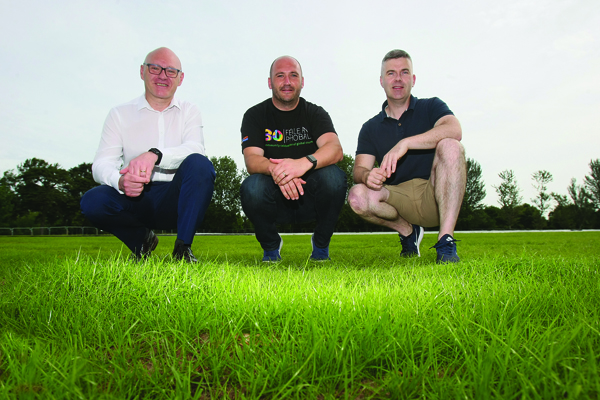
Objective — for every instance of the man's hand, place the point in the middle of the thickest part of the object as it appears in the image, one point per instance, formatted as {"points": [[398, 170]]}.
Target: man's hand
{"points": [[142, 165], [137, 174], [293, 189], [132, 185], [375, 179], [388, 164], [285, 170]]}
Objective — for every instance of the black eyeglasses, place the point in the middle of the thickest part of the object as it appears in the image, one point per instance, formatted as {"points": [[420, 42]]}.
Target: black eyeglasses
{"points": [[157, 69]]}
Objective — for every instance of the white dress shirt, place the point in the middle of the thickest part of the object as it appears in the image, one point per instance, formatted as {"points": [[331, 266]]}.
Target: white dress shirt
{"points": [[132, 128]]}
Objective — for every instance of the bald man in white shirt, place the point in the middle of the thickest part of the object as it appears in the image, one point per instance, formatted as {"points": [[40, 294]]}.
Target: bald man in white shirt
{"points": [[151, 165]]}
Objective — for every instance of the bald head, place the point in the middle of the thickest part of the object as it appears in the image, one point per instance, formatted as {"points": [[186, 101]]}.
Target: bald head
{"points": [[165, 53], [284, 58]]}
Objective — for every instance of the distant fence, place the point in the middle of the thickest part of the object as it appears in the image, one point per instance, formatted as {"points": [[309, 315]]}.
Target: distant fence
{"points": [[50, 230], [62, 230]]}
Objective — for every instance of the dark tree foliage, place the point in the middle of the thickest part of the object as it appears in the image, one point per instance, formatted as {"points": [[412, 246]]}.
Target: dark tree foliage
{"points": [[541, 179], [7, 204], [582, 202], [44, 194], [40, 187], [470, 218], [475, 188], [592, 183], [529, 217], [508, 196], [224, 214], [80, 181]]}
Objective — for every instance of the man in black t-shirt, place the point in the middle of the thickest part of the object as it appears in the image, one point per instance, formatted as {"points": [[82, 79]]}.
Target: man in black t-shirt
{"points": [[290, 149], [421, 176]]}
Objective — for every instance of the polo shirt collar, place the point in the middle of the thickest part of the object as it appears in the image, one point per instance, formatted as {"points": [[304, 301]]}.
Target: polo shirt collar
{"points": [[411, 106]]}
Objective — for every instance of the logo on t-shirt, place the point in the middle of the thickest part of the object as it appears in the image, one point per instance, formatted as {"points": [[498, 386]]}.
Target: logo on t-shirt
{"points": [[287, 137]]}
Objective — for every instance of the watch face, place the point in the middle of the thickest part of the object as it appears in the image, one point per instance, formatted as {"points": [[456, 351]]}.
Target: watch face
{"points": [[312, 158]]}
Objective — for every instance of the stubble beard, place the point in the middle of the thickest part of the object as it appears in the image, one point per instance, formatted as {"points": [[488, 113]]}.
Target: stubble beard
{"points": [[287, 103]]}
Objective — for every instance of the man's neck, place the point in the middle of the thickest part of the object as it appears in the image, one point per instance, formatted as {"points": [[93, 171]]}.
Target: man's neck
{"points": [[395, 108], [159, 104], [284, 106]]}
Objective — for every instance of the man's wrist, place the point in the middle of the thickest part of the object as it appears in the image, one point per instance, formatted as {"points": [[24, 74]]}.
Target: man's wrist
{"points": [[158, 154]]}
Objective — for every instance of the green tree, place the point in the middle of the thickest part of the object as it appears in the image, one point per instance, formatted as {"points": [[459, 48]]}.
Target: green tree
{"points": [[7, 200], [224, 214], [80, 181], [582, 202], [469, 217], [508, 196], [475, 188], [541, 179], [592, 183], [40, 187]]}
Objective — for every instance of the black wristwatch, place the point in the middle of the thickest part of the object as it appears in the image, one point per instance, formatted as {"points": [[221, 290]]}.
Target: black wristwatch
{"points": [[158, 154], [313, 160]]}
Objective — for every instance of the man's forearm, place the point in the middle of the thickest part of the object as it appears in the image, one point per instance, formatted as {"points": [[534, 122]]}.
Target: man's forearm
{"points": [[328, 154], [359, 174]]}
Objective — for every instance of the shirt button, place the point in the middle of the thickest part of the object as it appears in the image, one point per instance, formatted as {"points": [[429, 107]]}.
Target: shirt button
{"points": [[399, 124]]}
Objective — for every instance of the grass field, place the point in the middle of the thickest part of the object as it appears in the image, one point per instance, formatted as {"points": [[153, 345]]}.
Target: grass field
{"points": [[518, 318]]}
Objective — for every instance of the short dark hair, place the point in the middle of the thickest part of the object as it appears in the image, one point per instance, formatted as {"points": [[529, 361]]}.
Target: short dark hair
{"points": [[395, 54]]}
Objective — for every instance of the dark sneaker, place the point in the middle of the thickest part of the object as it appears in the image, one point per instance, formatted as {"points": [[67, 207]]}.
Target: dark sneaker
{"points": [[446, 250], [317, 253], [273, 255], [411, 243], [183, 251], [148, 246]]}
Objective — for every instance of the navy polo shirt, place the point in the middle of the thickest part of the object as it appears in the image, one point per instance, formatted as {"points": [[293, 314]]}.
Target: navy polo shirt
{"points": [[379, 134]]}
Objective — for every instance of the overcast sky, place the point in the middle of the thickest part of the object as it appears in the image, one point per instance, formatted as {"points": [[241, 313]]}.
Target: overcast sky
{"points": [[520, 75]]}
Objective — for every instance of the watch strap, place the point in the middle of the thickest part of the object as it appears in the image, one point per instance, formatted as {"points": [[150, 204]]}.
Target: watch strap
{"points": [[313, 160], [158, 154]]}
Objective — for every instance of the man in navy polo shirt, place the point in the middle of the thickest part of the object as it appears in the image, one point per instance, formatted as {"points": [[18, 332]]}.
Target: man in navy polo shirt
{"points": [[421, 176]]}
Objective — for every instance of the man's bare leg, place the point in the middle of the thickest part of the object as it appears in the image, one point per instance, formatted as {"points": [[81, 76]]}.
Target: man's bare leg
{"points": [[371, 206], [449, 179]]}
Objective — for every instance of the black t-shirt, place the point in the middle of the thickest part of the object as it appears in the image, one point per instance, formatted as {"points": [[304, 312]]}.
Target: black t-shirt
{"points": [[285, 134], [379, 134]]}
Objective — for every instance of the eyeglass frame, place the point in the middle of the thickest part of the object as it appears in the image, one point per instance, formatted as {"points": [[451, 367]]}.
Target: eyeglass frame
{"points": [[162, 69]]}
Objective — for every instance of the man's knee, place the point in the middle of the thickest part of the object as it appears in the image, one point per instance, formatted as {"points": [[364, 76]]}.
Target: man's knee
{"points": [[198, 166], [450, 149], [331, 180], [253, 189], [96, 202], [358, 198]]}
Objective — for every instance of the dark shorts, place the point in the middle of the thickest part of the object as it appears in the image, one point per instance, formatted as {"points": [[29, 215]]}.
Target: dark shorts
{"points": [[415, 202]]}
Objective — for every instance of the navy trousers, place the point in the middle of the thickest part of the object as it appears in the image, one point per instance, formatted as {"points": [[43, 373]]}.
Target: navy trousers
{"points": [[180, 204], [265, 205]]}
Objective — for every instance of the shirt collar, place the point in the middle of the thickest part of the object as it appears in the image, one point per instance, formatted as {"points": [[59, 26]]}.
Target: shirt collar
{"points": [[143, 103], [411, 106]]}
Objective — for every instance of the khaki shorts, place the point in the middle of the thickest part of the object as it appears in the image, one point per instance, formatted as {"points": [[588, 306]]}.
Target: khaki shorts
{"points": [[415, 202]]}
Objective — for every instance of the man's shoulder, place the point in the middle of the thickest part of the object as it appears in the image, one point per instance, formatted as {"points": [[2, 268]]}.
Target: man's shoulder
{"points": [[135, 102], [375, 119], [309, 106], [262, 106], [428, 102]]}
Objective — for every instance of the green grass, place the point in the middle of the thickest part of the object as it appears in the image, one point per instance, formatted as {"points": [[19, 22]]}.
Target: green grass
{"points": [[517, 318]]}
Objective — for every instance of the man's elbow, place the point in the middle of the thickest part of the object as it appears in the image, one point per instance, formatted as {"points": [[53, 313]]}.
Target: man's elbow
{"points": [[339, 155]]}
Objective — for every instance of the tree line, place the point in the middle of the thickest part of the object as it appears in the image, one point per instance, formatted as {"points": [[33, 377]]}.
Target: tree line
{"points": [[41, 194]]}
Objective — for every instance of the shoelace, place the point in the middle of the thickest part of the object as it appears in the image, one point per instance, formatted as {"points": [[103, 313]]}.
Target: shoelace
{"points": [[446, 247]]}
